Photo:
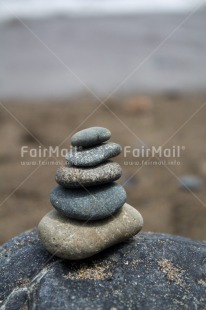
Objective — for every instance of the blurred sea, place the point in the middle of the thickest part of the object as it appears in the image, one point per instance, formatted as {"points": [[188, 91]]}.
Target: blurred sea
{"points": [[50, 49], [42, 8]]}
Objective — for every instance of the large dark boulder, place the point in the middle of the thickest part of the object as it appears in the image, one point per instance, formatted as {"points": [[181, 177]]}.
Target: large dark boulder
{"points": [[150, 271]]}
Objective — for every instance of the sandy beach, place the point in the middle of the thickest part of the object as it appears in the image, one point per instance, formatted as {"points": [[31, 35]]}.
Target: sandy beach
{"points": [[153, 190]]}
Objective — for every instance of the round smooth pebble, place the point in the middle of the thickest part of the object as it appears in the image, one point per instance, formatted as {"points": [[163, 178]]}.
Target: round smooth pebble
{"points": [[191, 182], [90, 157], [73, 177], [93, 204], [90, 136], [70, 239]]}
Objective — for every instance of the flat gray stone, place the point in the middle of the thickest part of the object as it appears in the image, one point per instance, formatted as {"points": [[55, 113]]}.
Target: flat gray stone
{"points": [[93, 156], [149, 271], [74, 240], [95, 203], [90, 136], [73, 177]]}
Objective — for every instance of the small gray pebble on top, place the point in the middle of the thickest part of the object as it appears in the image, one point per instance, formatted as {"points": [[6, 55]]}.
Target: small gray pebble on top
{"points": [[90, 136], [93, 156]]}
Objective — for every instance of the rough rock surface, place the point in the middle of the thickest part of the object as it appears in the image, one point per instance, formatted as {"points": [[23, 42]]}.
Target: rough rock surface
{"points": [[93, 156], [150, 271], [90, 204], [73, 177], [73, 239], [90, 136]]}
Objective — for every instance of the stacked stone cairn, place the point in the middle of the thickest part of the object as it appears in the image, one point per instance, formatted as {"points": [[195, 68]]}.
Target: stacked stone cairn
{"points": [[91, 214]]}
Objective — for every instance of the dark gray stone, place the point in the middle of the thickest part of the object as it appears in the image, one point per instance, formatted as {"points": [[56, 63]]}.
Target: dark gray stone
{"points": [[93, 156], [90, 136], [74, 177], [94, 203], [150, 271]]}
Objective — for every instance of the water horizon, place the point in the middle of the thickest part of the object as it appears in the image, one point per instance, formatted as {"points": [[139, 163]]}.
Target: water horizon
{"points": [[76, 8]]}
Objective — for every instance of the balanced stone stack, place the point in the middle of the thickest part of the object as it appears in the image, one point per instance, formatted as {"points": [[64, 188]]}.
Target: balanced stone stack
{"points": [[91, 213]]}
